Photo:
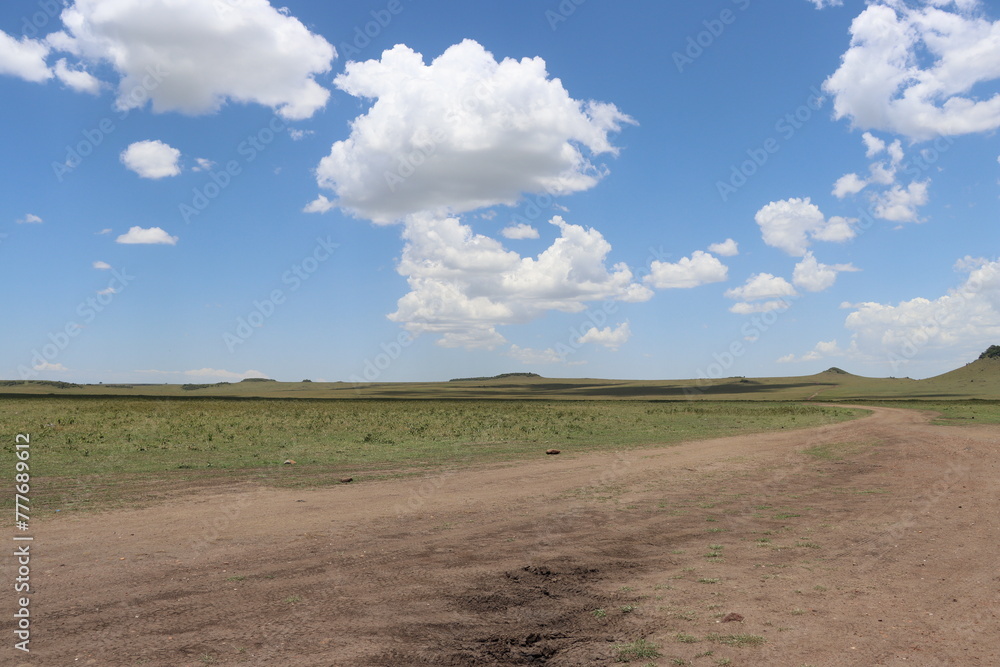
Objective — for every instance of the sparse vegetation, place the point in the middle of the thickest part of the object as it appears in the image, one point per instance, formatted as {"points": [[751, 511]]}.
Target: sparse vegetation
{"points": [[99, 449], [956, 412], [715, 552], [737, 640], [640, 648]]}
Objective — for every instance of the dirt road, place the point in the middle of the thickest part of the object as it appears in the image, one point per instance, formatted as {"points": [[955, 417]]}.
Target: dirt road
{"points": [[878, 549]]}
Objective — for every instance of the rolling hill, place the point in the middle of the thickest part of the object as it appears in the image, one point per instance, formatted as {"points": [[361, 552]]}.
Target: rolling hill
{"points": [[979, 379]]}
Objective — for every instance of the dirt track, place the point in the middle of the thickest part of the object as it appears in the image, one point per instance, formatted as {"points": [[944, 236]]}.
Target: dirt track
{"points": [[885, 557]]}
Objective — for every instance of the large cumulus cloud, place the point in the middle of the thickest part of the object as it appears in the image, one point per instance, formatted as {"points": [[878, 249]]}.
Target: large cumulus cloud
{"points": [[461, 133]]}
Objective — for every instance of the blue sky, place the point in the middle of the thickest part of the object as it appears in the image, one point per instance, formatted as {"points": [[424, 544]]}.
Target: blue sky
{"points": [[199, 191]]}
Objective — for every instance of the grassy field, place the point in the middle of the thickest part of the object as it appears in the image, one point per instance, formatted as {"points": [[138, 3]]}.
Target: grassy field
{"points": [[90, 449], [953, 412]]}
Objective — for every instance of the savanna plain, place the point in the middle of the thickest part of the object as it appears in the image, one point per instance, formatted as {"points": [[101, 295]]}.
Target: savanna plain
{"points": [[826, 520]]}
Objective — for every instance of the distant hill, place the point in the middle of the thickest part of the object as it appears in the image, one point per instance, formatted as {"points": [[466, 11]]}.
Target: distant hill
{"points": [[502, 376], [985, 369], [979, 379], [39, 383]]}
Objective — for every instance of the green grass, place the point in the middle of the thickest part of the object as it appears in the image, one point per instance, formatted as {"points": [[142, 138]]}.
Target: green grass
{"points": [[640, 648], [737, 640], [969, 412], [83, 446]]}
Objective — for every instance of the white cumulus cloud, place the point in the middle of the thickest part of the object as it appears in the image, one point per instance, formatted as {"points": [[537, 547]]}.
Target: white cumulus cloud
{"points": [[966, 317], [900, 204], [762, 286], [150, 236], [101, 266], [463, 285], [29, 219], [792, 224], [848, 184], [892, 201], [24, 58], [194, 55], [152, 159], [744, 308], [519, 231], [319, 205], [873, 145], [814, 276], [77, 78], [728, 248], [700, 268], [920, 70], [608, 337], [462, 133]]}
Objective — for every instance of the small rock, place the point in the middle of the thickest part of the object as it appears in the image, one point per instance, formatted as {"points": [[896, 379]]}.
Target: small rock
{"points": [[732, 616], [346, 480], [551, 451], [289, 462]]}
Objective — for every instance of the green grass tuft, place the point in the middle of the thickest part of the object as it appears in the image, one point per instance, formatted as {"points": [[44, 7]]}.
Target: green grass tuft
{"points": [[640, 648]]}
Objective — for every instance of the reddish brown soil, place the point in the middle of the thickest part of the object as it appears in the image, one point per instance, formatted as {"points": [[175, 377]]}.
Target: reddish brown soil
{"points": [[886, 556]]}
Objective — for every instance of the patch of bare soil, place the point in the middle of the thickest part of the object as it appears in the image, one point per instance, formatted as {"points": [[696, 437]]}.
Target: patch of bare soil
{"points": [[877, 549]]}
